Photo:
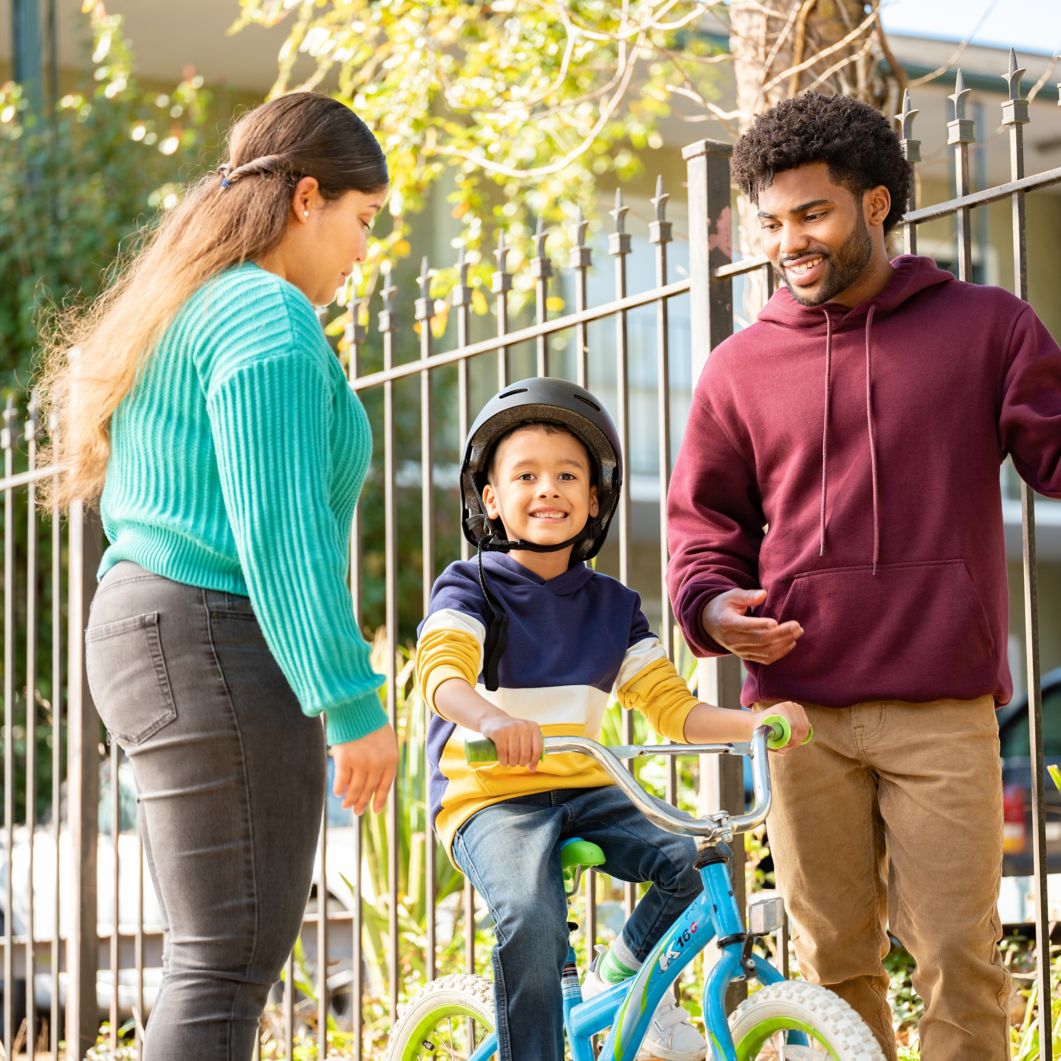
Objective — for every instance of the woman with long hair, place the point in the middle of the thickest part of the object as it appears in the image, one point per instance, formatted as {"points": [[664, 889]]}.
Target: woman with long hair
{"points": [[202, 407]]}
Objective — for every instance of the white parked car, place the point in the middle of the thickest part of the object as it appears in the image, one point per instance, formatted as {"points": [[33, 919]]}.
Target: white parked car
{"points": [[138, 910]]}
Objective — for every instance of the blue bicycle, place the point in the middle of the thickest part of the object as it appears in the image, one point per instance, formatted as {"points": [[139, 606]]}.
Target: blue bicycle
{"points": [[453, 1017]]}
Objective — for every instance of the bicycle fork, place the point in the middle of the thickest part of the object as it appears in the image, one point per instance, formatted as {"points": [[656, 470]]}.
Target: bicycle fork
{"points": [[736, 960]]}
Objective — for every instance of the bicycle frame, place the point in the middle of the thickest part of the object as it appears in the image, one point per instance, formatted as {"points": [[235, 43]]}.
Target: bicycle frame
{"points": [[628, 1007]]}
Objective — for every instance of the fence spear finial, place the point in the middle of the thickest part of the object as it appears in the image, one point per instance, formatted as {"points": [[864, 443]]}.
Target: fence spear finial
{"points": [[387, 321], [961, 130], [659, 230], [502, 280], [1013, 76], [581, 227], [423, 307], [539, 237], [619, 213], [958, 96], [659, 200], [32, 415], [911, 147], [906, 117], [619, 240], [1014, 109], [7, 436], [424, 279], [462, 267]]}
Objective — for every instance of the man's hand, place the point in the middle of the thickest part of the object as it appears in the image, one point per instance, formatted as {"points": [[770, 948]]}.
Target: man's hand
{"points": [[365, 768], [518, 740], [752, 639]]}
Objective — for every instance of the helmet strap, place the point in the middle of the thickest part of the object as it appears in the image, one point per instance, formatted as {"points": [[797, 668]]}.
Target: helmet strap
{"points": [[497, 633], [492, 543]]}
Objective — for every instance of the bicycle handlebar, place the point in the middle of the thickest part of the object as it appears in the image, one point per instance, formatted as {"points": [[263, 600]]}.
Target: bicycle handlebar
{"points": [[712, 828]]}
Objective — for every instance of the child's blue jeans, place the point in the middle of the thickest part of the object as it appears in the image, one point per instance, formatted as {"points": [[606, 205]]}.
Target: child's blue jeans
{"points": [[511, 854]]}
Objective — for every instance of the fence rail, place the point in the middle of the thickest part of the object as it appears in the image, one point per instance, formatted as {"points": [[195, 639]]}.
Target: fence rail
{"points": [[388, 911]]}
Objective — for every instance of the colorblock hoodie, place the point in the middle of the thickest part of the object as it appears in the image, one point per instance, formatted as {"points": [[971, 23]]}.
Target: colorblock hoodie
{"points": [[847, 461], [573, 641]]}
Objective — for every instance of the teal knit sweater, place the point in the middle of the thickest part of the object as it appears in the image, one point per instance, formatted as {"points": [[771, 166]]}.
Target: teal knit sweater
{"points": [[236, 461]]}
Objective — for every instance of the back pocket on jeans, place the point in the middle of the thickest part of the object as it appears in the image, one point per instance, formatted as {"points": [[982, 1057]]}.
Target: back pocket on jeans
{"points": [[127, 675]]}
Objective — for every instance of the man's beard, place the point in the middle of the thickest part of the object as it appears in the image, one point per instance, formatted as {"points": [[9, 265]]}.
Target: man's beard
{"points": [[843, 269]]}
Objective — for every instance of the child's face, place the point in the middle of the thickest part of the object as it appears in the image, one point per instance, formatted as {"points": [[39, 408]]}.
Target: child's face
{"points": [[541, 486]]}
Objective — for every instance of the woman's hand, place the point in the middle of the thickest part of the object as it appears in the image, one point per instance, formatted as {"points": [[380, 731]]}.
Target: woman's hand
{"points": [[365, 769]]}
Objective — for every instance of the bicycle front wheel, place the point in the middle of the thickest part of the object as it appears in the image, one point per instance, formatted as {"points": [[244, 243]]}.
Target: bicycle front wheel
{"points": [[797, 1021], [448, 1020]]}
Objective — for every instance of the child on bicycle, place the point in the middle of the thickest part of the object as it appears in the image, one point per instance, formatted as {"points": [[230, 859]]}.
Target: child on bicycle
{"points": [[529, 640]]}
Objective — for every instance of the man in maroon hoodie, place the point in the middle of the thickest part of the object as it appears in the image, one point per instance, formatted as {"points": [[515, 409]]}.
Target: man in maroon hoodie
{"points": [[835, 521]]}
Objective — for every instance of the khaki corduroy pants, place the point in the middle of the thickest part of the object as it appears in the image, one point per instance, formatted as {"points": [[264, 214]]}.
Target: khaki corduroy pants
{"points": [[892, 818]]}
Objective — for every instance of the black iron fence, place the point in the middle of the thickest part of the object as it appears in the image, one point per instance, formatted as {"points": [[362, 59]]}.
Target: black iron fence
{"points": [[81, 934]]}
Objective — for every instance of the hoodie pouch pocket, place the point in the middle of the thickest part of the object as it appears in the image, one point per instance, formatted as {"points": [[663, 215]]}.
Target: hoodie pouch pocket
{"points": [[913, 631]]}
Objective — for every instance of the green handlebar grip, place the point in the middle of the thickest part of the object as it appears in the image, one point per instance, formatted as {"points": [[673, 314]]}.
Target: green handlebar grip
{"points": [[480, 751], [781, 732], [484, 751]]}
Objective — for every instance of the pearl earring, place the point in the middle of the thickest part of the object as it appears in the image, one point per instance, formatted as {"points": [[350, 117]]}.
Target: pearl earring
{"points": [[305, 213]]}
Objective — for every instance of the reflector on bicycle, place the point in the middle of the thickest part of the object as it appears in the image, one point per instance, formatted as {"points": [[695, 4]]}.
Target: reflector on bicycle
{"points": [[766, 916]]}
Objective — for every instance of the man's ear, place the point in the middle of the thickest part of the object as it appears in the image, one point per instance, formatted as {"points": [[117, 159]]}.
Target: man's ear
{"points": [[877, 203], [490, 502]]}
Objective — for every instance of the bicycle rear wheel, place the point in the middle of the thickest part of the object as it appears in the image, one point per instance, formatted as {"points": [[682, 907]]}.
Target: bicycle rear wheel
{"points": [[447, 1021], [797, 1021]]}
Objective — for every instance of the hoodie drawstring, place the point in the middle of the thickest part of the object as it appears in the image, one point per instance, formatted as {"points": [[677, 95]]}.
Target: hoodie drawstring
{"points": [[869, 429], [872, 439], [825, 429]]}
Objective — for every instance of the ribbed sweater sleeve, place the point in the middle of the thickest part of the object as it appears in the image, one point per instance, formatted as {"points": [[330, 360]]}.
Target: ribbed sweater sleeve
{"points": [[269, 404]]}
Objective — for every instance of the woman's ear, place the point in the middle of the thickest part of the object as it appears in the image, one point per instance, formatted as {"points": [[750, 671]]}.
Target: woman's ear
{"points": [[306, 198]]}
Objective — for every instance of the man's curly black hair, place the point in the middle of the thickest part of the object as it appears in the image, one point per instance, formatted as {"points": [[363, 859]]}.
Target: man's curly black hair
{"points": [[853, 139]]}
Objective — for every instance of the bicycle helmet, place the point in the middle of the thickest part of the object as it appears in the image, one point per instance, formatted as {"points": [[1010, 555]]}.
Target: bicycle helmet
{"points": [[541, 400]]}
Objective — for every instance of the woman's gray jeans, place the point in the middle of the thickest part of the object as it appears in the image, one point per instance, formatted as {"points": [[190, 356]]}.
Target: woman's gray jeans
{"points": [[231, 781]]}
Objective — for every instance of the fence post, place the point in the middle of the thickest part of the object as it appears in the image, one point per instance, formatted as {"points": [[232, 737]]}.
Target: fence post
{"points": [[82, 944], [711, 321]]}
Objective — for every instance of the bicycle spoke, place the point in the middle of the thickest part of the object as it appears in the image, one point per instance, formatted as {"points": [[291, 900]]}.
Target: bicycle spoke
{"points": [[779, 1049], [455, 1040]]}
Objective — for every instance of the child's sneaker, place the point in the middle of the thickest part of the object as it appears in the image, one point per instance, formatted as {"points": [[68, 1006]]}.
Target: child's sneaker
{"points": [[670, 1036]]}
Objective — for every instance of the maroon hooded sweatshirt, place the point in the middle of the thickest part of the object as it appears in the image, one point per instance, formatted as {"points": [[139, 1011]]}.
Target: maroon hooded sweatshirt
{"points": [[847, 461]]}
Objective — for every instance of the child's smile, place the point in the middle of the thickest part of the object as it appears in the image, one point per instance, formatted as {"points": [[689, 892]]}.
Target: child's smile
{"points": [[541, 488]]}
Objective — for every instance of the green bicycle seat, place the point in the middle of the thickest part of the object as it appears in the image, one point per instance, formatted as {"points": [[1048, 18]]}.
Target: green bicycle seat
{"points": [[575, 856]]}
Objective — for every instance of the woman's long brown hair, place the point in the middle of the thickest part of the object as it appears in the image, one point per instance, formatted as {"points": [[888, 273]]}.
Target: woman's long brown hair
{"points": [[94, 354]]}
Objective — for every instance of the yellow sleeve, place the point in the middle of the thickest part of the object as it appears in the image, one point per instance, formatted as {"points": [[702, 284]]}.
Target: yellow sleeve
{"points": [[445, 653], [658, 691]]}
